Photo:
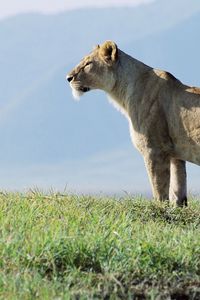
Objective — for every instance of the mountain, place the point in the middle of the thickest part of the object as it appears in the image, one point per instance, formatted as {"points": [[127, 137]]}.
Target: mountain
{"points": [[47, 138]]}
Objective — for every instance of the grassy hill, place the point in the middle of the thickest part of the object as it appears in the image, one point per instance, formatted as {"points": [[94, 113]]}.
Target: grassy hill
{"points": [[81, 247]]}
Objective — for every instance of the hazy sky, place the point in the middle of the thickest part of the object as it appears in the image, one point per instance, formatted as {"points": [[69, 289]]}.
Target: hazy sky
{"points": [[12, 7]]}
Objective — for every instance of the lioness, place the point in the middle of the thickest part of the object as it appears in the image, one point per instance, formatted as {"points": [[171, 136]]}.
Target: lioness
{"points": [[163, 113]]}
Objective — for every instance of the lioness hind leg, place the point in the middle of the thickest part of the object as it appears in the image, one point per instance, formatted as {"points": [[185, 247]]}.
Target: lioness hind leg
{"points": [[178, 188], [158, 168]]}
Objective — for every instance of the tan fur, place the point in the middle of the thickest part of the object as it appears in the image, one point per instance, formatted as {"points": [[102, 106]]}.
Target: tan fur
{"points": [[163, 113]]}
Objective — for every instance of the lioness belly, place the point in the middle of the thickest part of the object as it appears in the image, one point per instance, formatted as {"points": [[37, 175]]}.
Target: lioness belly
{"points": [[185, 133], [188, 152]]}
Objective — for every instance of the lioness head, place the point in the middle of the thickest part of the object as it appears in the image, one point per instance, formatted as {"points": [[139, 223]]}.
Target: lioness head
{"points": [[95, 71]]}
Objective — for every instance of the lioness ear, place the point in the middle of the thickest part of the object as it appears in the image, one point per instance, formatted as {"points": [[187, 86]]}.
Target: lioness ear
{"points": [[109, 52], [96, 47]]}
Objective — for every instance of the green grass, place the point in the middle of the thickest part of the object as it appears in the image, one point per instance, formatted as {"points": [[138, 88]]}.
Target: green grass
{"points": [[83, 247]]}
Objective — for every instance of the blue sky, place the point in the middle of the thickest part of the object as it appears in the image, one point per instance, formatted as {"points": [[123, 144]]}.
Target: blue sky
{"points": [[13, 7]]}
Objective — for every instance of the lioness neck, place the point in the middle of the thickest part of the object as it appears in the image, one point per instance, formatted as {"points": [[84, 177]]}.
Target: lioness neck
{"points": [[128, 72]]}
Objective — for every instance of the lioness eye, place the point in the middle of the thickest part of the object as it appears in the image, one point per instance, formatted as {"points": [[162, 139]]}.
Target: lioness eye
{"points": [[88, 63]]}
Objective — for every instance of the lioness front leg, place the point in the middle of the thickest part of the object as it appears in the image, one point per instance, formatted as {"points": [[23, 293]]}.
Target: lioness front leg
{"points": [[158, 168], [178, 189]]}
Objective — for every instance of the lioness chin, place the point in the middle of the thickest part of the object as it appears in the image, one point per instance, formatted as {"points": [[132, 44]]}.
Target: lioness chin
{"points": [[163, 114]]}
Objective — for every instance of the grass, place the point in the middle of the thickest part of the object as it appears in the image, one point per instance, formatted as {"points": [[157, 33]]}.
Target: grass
{"points": [[83, 247]]}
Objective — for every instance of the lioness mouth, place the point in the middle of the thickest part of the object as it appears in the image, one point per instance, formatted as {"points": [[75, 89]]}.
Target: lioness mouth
{"points": [[84, 89]]}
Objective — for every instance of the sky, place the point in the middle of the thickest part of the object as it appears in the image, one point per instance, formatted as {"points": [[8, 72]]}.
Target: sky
{"points": [[13, 7]]}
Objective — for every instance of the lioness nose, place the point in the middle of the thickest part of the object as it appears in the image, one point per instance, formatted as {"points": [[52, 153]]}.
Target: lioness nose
{"points": [[69, 78]]}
